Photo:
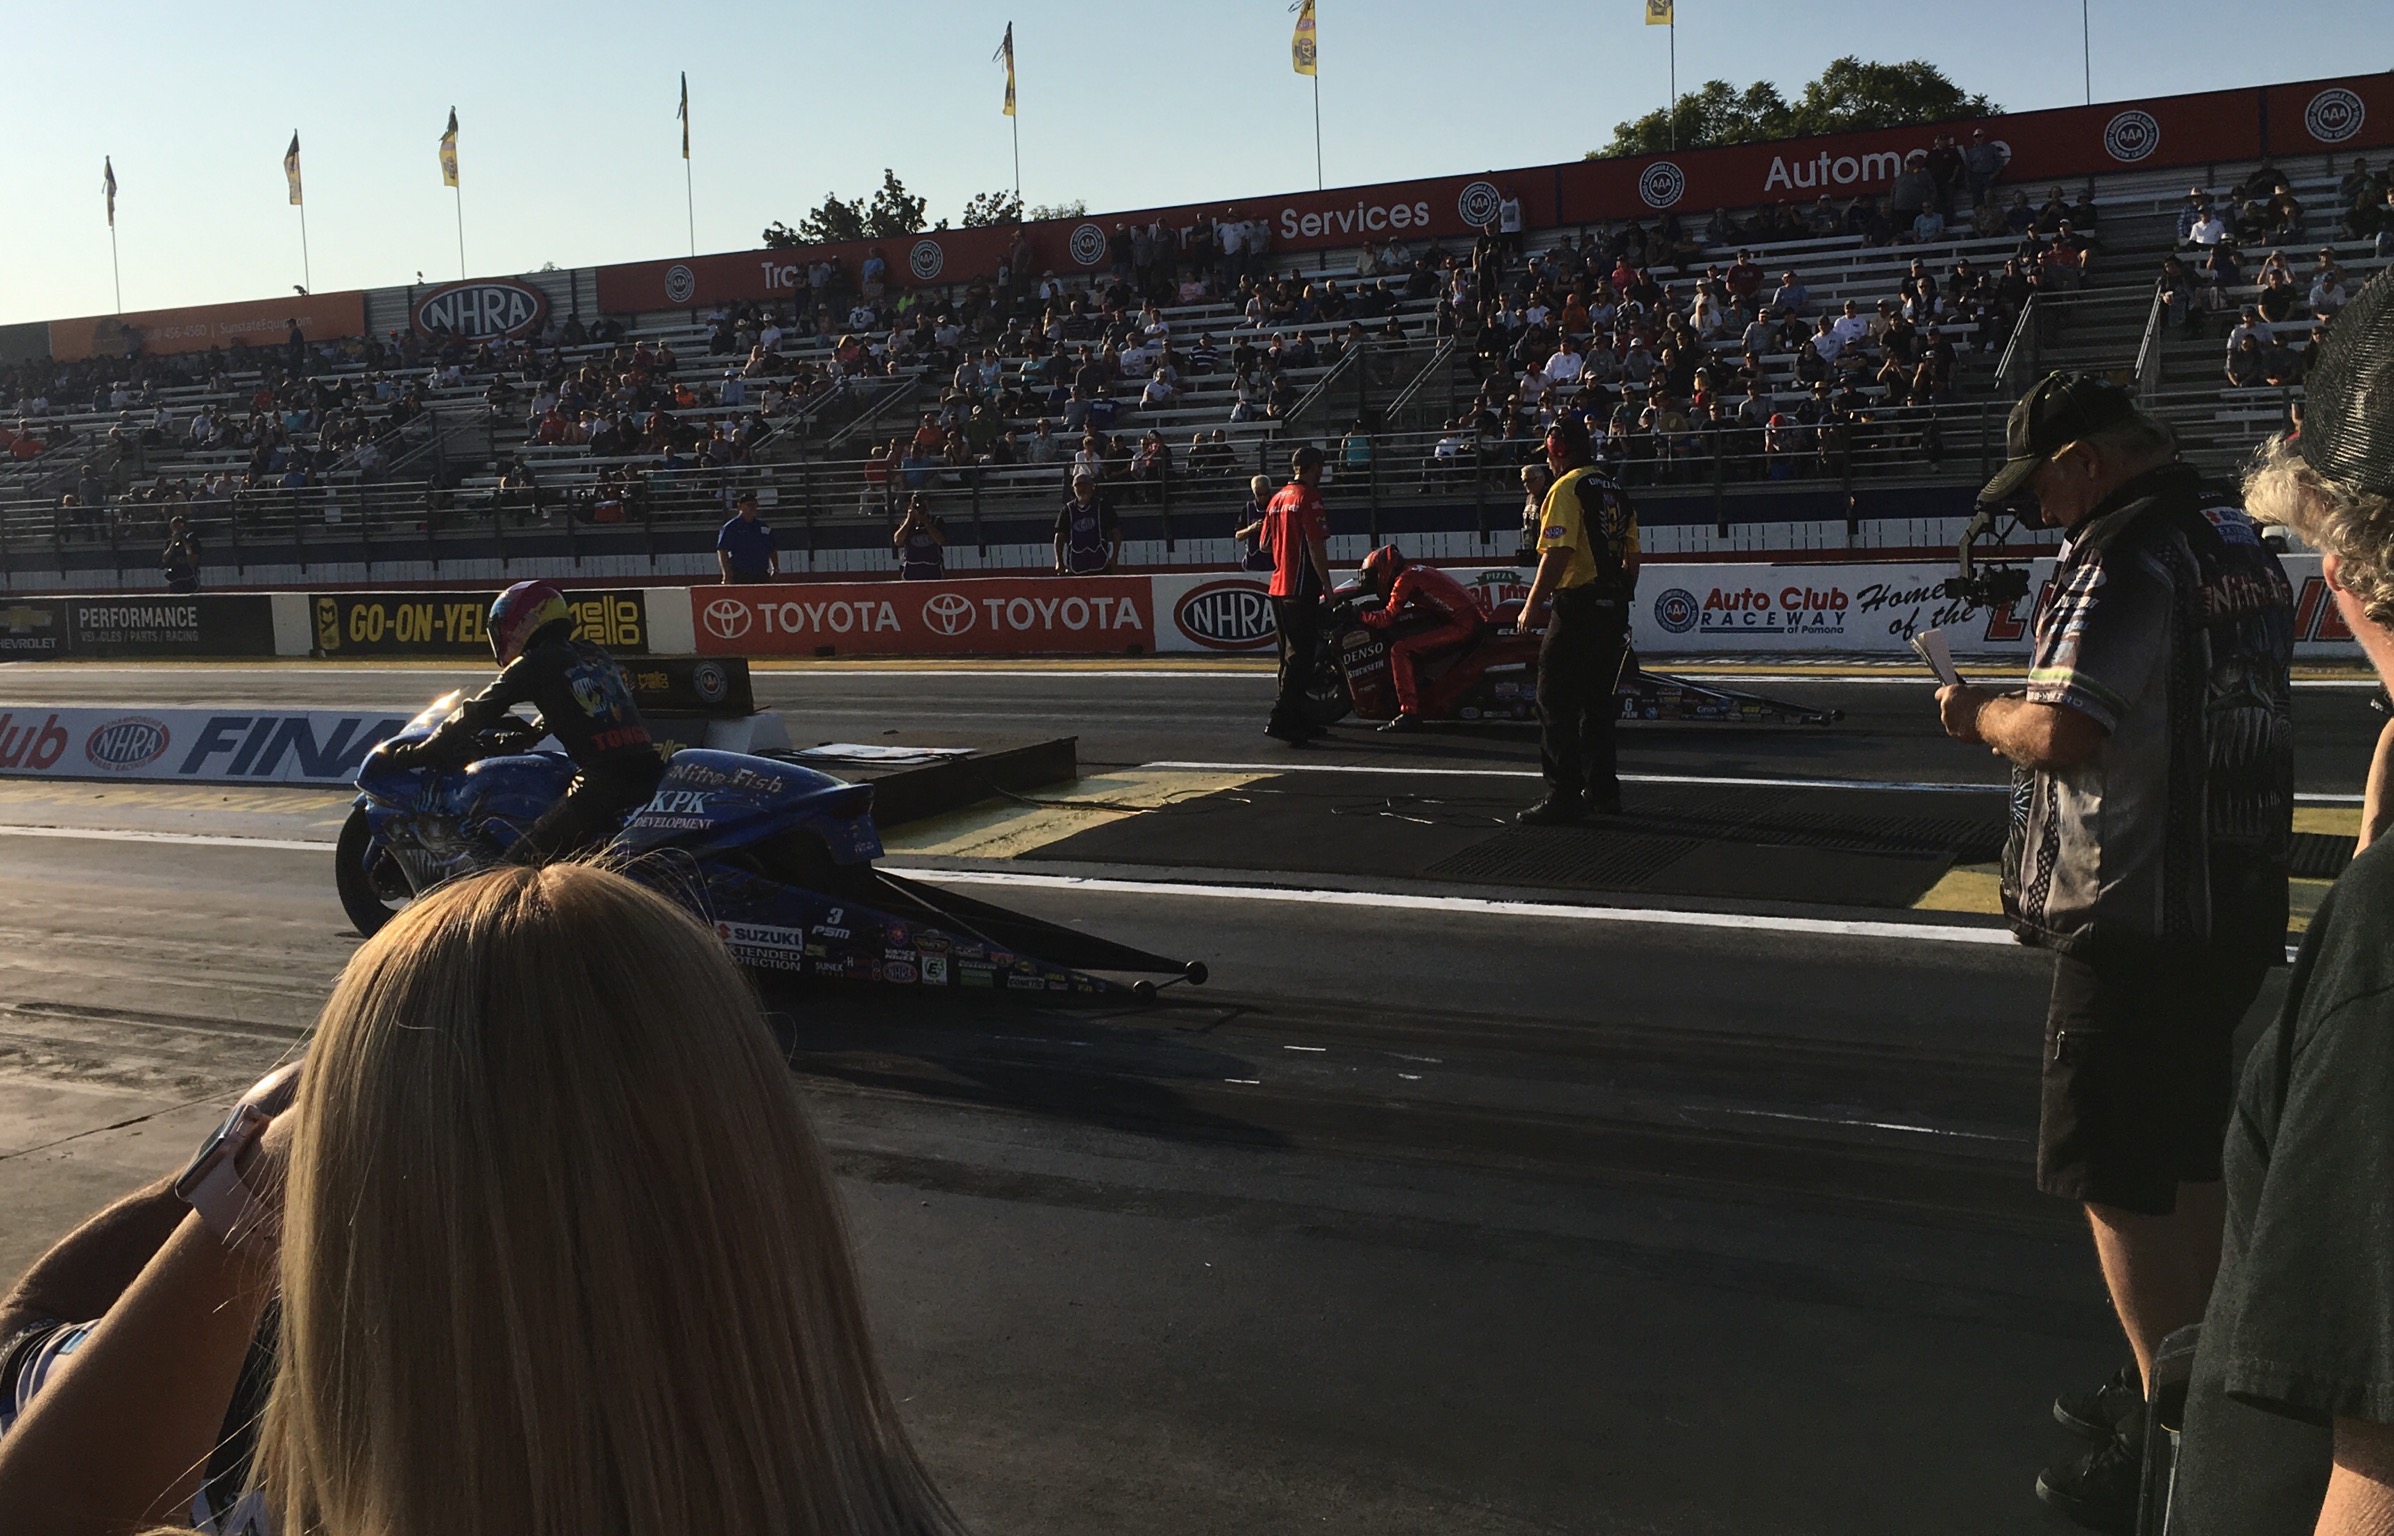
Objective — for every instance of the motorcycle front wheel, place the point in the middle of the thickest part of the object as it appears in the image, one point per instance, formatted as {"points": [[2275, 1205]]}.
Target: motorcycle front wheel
{"points": [[1327, 700], [371, 886]]}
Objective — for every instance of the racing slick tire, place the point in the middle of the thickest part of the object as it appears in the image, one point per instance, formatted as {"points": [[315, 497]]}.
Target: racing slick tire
{"points": [[1327, 700], [371, 896]]}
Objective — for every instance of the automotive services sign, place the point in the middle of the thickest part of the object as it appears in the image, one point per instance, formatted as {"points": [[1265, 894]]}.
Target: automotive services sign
{"points": [[191, 746]]}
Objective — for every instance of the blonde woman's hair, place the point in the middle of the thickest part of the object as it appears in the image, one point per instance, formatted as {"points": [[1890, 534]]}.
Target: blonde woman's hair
{"points": [[560, 1254], [2354, 525]]}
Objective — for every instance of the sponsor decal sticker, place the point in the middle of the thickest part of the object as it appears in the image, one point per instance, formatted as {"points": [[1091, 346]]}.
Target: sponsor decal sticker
{"points": [[925, 260], [1478, 204], [681, 284], [1088, 245]]}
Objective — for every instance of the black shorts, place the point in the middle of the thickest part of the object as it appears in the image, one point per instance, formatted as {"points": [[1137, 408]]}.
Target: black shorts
{"points": [[2139, 1076]]}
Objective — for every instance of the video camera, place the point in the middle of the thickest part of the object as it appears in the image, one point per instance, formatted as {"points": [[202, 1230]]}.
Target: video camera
{"points": [[1999, 587]]}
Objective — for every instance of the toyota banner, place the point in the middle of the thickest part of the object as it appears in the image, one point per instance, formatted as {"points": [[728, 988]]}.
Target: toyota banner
{"points": [[987, 616]]}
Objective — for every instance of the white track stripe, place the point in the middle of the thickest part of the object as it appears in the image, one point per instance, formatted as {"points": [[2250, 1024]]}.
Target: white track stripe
{"points": [[199, 839], [1412, 771], [1475, 906]]}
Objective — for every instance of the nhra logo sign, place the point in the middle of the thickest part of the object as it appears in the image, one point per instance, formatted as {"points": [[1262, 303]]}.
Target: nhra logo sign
{"points": [[1226, 616], [127, 745], [486, 309]]}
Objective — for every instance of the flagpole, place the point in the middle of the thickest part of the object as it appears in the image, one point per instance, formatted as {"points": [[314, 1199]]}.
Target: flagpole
{"points": [[1317, 128], [116, 271], [461, 266], [305, 271], [690, 203], [1672, 116], [1017, 121]]}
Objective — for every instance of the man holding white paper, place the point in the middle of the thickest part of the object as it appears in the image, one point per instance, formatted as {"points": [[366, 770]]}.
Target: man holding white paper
{"points": [[2153, 791]]}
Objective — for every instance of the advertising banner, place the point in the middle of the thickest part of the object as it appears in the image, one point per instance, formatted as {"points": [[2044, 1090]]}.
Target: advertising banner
{"points": [[987, 616], [166, 625], [1730, 609], [2213, 127], [32, 629], [256, 323], [191, 746], [451, 623]]}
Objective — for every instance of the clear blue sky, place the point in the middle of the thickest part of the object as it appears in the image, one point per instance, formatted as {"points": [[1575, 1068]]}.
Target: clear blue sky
{"points": [[570, 155]]}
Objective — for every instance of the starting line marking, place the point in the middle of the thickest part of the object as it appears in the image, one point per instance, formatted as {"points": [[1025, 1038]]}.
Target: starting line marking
{"points": [[1665, 917]]}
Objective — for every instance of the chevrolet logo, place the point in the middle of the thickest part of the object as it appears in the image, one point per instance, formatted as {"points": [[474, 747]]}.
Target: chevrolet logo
{"points": [[20, 619]]}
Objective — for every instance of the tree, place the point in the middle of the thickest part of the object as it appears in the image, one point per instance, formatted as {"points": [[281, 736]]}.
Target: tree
{"points": [[1849, 96], [1077, 208], [992, 208], [893, 211]]}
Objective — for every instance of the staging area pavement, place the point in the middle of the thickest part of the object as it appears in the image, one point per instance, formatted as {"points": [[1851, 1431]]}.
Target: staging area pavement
{"points": [[1455, 1202]]}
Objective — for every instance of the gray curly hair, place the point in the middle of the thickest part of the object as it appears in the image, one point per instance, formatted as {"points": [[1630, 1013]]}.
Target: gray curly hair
{"points": [[2354, 525]]}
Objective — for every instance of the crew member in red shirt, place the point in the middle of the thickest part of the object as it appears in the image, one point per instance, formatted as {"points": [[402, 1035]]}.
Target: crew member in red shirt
{"points": [[1414, 591], [1297, 531]]}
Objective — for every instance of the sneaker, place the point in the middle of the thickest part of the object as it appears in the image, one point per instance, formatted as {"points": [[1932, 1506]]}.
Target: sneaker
{"points": [[1401, 723], [2095, 1412], [1553, 811], [2099, 1490]]}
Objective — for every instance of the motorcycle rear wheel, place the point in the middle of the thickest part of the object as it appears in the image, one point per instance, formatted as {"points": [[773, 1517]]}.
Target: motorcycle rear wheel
{"points": [[362, 893]]}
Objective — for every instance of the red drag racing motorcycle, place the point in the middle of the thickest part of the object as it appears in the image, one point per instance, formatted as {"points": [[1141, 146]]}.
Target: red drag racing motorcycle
{"points": [[1494, 675]]}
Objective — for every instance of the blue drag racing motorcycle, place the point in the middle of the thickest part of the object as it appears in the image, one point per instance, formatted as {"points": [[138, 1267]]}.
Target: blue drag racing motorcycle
{"points": [[775, 856]]}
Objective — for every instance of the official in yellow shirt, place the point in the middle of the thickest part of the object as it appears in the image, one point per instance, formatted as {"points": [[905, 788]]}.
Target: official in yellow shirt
{"points": [[1587, 574]]}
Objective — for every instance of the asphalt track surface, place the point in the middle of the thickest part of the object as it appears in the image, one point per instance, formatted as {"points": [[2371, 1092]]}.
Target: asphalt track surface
{"points": [[1457, 1211]]}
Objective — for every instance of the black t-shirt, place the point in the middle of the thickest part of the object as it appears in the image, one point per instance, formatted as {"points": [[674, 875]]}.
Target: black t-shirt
{"points": [[2301, 1326]]}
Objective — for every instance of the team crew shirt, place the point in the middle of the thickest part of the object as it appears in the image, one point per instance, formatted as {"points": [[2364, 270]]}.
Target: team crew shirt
{"points": [[1292, 522], [1586, 514]]}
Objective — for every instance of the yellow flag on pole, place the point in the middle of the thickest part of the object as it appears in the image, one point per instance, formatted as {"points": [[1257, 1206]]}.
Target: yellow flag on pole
{"points": [[108, 185], [1302, 52], [1658, 13], [449, 152], [1006, 52], [291, 168]]}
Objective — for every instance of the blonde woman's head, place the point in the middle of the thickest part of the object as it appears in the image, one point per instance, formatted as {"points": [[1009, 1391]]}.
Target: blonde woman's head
{"points": [[2334, 516], [560, 1254]]}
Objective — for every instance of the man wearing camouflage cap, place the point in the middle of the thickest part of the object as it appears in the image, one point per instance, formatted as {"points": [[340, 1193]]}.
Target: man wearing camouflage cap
{"points": [[2290, 1415]]}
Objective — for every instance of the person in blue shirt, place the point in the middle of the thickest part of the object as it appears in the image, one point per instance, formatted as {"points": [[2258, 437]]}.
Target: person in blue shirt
{"points": [[744, 546]]}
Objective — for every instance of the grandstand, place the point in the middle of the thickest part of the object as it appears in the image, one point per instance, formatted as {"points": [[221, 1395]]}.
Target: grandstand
{"points": [[393, 456]]}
